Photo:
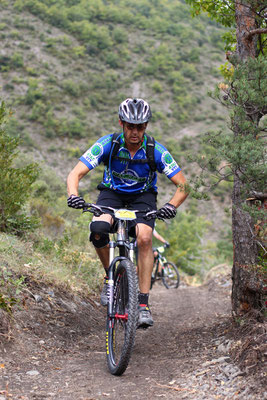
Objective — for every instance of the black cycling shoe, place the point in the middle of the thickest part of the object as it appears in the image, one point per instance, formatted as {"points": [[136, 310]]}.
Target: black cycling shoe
{"points": [[145, 319]]}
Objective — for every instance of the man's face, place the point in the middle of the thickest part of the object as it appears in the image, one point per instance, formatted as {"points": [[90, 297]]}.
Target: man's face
{"points": [[133, 133]]}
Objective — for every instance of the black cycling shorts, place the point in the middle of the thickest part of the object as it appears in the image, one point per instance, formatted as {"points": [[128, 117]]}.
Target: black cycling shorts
{"points": [[133, 201]]}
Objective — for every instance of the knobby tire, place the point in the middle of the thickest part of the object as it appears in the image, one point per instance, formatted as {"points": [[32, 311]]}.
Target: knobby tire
{"points": [[170, 275], [121, 327]]}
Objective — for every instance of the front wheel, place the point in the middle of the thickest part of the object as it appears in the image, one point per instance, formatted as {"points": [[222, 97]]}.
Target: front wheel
{"points": [[170, 275], [121, 325]]}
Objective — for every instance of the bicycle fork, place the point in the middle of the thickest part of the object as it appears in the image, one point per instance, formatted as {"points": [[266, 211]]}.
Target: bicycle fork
{"points": [[110, 293]]}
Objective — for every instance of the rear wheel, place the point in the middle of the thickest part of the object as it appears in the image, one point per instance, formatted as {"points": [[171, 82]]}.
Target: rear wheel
{"points": [[153, 275], [170, 275], [121, 326]]}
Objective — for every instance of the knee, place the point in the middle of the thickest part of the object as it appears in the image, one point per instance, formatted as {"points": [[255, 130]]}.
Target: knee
{"points": [[144, 241], [99, 233]]}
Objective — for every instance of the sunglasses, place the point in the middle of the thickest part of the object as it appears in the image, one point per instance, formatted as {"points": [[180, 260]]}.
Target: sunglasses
{"points": [[139, 127]]}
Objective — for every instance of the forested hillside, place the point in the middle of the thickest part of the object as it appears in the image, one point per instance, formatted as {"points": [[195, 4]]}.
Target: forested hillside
{"points": [[65, 67]]}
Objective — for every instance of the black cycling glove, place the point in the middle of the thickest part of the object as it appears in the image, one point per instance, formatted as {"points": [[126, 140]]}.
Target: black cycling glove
{"points": [[75, 201], [168, 211], [167, 245]]}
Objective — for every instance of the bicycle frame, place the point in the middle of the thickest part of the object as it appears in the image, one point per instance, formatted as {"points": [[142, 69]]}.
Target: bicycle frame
{"points": [[159, 258]]}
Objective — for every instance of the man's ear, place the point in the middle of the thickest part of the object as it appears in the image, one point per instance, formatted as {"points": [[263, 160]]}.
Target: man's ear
{"points": [[120, 122]]}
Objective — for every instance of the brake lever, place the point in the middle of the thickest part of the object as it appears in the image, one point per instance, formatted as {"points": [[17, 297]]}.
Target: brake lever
{"points": [[94, 210], [151, 215]]}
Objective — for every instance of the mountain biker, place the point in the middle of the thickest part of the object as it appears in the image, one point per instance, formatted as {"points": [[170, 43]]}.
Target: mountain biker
{"points": [[160, 238], [155, 252], [128, 183]]}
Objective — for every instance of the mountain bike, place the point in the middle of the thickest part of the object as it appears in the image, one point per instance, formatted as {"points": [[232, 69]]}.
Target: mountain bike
{"points": [[164, 270], [122, 308]]}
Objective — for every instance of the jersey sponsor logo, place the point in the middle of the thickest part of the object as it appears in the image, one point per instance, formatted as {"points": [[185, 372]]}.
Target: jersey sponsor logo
{"points": [[169, 163], [129, 177], [167, 158], [93, 154], [97, 150]]}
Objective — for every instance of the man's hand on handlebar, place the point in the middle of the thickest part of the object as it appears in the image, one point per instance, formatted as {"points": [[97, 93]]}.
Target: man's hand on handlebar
{"points": [[75, 201], [168, 211]]}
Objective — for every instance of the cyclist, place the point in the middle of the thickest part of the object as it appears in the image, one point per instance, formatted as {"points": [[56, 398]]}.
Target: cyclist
{"points": [[160, 238], [127, 182], [155, 252]]}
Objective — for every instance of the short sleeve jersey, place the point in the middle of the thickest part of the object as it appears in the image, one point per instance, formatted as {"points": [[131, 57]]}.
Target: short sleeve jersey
{"points": [[127, 177]]}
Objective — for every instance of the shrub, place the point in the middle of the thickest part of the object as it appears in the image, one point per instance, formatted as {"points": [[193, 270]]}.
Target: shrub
{"points": [[71, 88], [157, 87], [16, 61], [15, 184], [34, 93]]}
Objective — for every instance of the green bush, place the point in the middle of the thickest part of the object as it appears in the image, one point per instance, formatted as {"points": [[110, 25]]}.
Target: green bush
{"points": [[157, 87], [33, 93], [16, 61], [15, 184], [71, 88]]}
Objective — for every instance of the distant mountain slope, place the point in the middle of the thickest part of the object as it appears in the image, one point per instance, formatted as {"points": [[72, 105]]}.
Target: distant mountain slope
{"points": [[67, 64]]}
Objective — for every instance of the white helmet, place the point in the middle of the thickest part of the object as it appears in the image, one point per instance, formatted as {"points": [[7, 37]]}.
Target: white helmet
{"points": [[134, 111]]}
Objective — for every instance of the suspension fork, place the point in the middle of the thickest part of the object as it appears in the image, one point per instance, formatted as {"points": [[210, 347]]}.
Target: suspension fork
{"points": [[110, 293]]}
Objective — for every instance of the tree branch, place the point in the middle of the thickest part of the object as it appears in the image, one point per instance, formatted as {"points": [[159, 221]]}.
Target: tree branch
{"points": [[258, 31]]}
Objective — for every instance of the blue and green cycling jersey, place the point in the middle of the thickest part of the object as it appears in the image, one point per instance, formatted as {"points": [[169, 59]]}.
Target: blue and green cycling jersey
{"points": [[124, 176]]}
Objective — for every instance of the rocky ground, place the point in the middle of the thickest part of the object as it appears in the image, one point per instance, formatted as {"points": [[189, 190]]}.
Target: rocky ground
{"points": [[55, 349]]}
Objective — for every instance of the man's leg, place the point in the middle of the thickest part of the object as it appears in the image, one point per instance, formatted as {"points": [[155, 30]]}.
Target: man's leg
{"points": [[100, 227], [102, 248], [145, 257], [145, 266]]}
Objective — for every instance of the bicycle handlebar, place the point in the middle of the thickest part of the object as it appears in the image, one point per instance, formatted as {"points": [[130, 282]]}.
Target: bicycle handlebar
{"points": [[98, 210]]}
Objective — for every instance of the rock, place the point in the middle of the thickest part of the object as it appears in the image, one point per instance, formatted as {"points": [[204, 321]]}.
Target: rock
{"points": [[222, 348], [37, 298], [33, 373]]}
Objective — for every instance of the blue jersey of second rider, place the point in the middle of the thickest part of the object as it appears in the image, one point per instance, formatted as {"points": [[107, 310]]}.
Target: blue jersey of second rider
{"points": [[124, 176]]}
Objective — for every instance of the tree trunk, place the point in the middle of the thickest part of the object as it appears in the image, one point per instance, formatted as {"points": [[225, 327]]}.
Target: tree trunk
{"points": [[247, 285], [245, 22]]}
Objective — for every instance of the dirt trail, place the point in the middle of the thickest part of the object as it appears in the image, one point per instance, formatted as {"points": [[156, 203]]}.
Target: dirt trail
{"points": [[58, 350]]}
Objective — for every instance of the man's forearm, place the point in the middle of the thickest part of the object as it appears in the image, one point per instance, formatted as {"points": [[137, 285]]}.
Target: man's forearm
{"points": [[74, 178], [72, 184], [178, 198], [181, 194]]}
